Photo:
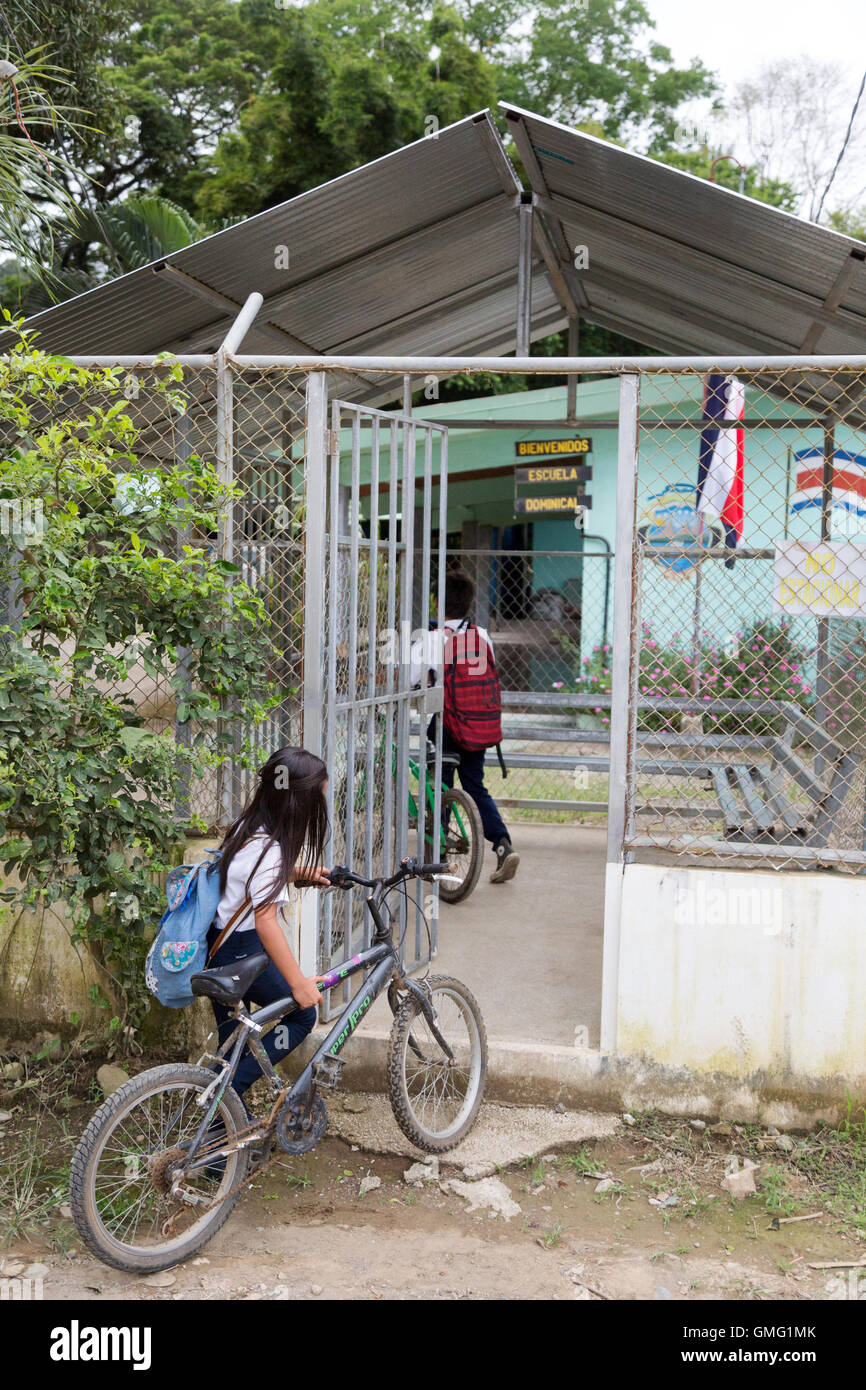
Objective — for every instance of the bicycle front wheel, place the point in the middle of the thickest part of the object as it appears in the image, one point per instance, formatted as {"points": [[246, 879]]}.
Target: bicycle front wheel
{"points": [[121, 1176], [460, 842], [435, 1098]]}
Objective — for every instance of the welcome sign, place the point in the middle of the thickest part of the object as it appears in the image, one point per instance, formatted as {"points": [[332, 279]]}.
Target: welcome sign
{"points": [[824, 578], [553, 448]]}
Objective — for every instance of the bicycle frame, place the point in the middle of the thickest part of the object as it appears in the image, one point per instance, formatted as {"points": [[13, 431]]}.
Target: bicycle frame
{"points": [[383, 962], [430, 797]]}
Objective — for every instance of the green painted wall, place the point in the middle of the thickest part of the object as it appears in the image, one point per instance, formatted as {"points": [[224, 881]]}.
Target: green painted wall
{"points": [[731, 599]]}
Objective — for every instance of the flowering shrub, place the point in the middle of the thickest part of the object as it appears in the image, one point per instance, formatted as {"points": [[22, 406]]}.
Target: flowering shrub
{"points": [[763, 664]]}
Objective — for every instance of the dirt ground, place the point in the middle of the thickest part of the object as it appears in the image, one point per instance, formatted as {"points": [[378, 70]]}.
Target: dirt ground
{"points": [[660, 1227]]}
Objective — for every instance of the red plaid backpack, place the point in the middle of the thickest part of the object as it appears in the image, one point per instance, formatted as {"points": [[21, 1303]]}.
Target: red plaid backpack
{"points": [[473, 699]]}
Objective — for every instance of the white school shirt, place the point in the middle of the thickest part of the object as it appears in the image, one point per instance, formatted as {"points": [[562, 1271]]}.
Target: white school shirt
{"points": [[260, 884], [423, 654]]}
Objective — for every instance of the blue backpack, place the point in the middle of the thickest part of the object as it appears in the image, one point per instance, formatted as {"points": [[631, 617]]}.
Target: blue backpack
{"points": [[179, 950]]}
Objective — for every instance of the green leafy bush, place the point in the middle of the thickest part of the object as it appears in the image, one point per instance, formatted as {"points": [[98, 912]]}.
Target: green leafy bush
{"points": [[119, 572]]}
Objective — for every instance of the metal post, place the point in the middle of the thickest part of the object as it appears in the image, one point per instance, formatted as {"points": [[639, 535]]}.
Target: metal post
{"points": [[225, 536], [225, 449], [571, 386], [524, 274], [823, 654], [316, 456], [314, 560], [182, 728], [623, 657], [406, 581]]}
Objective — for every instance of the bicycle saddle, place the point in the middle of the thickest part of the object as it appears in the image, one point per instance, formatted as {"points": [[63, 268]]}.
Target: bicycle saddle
{"points": [[229, 983]]}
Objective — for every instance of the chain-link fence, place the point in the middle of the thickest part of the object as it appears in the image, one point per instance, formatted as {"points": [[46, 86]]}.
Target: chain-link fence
{"points": [[748, 703], [255, 436], [268, 545], [746, 721]]}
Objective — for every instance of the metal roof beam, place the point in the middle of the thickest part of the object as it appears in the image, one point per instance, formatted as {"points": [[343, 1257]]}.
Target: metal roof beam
{"points": [[833, 299], [549, 232], [492, 142], [566, 287], [232, 309]]}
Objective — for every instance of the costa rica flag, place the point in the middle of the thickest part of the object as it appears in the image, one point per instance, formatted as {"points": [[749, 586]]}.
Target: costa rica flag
{"points": [[848, 478], [721, 465]]}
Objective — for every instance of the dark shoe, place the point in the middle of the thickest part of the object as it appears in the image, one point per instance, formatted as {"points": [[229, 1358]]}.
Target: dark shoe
{"points": [[506, 862], [217, 1131]]}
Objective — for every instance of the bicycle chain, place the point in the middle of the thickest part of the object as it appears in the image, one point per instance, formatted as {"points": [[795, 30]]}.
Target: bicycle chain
{"points": [[215, 1147]]}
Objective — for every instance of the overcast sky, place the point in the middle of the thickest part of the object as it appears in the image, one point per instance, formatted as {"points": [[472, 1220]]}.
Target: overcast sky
{"points": [[736, 36]]}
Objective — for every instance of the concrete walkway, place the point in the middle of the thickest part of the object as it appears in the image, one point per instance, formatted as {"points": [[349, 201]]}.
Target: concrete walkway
{"points": [[530, 950]]}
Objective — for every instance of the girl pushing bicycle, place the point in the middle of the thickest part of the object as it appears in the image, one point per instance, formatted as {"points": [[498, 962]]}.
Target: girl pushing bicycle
{"points": [[276, 841], [163, 1160]]}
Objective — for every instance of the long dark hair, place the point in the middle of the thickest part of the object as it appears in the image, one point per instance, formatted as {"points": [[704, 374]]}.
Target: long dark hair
{"points": [[289, 809]]}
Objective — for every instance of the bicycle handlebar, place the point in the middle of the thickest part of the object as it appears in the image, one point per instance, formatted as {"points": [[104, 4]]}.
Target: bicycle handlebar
{"points": [[341, 876]]}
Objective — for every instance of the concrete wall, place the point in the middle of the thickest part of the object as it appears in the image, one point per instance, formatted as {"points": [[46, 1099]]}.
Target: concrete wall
{"points": [[758, 977]]}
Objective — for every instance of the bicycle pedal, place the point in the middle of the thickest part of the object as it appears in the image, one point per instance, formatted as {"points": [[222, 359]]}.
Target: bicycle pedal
{"points": [[327, 1073]]}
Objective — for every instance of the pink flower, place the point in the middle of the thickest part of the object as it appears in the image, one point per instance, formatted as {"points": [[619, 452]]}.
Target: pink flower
{"points": [[557, 685]]}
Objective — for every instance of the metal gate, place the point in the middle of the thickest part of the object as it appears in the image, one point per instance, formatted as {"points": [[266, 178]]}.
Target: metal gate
{"points": [[370, 572]]}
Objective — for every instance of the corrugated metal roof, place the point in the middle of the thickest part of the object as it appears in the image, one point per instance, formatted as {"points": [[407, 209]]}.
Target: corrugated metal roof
{"points": [[394, 252], [688, 266], [416, 254]]}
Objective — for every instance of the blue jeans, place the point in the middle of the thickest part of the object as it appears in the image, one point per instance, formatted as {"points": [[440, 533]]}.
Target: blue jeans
{"points": [[471, 771], [271, 985]]}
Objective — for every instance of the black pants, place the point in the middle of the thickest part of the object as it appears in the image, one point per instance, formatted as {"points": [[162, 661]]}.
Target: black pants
{"points": [[271, 985], [471, 772]]}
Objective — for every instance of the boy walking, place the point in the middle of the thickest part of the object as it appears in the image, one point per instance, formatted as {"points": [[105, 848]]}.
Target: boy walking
{"points": [[472, 717]]}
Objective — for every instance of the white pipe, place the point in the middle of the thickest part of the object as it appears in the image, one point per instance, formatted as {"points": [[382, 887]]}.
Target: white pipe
{"points": [[620, 714], [242, 324], [194, 359], [610, 366]]}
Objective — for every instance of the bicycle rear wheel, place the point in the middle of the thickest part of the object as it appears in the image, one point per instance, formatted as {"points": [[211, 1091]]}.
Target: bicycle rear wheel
{"points": [[460, 842], [436, 1100], [121, 1175]]}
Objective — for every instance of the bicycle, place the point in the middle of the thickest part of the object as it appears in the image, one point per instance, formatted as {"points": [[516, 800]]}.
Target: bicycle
{"points": [[461, 834], [163, 1161]]}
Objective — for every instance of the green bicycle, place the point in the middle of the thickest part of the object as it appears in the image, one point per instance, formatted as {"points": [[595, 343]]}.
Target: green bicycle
{"points": [[460, 838]]}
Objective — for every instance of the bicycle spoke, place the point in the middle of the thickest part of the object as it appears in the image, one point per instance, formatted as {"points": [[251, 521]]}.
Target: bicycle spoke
{"points": [[439, 1089], [132, 1209]]}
